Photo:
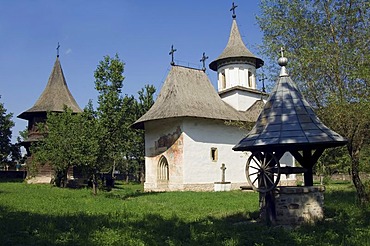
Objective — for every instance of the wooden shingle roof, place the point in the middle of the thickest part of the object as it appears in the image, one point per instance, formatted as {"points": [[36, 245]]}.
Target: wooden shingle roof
{"points": [[55, 95], [188, 92], [288, 122], [235, 50]]}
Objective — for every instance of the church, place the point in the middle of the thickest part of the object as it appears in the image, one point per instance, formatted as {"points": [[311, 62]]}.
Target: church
{"points": [[189, 130]]}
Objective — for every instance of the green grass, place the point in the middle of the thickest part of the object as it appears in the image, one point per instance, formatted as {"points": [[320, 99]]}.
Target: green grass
{"points": [[46, 215]]}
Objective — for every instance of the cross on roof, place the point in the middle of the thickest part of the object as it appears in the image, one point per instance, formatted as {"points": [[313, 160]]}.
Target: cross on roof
{"points": [[233, 9], [58, 49], [282, 51], [263, 82], [172, 53], [203, 60]]}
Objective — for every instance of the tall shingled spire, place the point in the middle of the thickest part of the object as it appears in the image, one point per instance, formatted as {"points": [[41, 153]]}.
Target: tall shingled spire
{"points": [[235, 50], [55, 95]]}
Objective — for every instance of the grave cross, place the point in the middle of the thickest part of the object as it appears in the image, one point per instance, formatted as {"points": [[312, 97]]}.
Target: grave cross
{"points": [[172, 53], [204, 58], [223, 168], [233, 9], [58, 49]]}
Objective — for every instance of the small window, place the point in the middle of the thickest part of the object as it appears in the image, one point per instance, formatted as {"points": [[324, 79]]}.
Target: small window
{"points": [[214, 154], [249, 79], [223, 80]]}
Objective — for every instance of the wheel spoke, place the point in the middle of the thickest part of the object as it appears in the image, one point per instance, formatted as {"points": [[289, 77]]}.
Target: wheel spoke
{"points": [[257, 162], [272, 182], [254, 167], [253, 173], [255, 180]]}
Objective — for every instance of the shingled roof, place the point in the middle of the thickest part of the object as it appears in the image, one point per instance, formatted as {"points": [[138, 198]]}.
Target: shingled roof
{"points": [[55, 95], [188, 92], [235, 49], [288, 122]]}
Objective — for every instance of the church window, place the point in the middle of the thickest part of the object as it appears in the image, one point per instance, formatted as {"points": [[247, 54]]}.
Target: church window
{"points": [[223, 80], [249, 79], [214, 154], [163, 171]]}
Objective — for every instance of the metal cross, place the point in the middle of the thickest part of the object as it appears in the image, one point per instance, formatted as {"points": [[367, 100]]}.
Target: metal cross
{"points": [[203, 60], [58, 49], [223, 168], [233, 9], [172, 53], [263, 82], [282, 51]]}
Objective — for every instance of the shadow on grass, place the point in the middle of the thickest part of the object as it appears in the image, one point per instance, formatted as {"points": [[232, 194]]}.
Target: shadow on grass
{"points": [[125, 228], [23, 228]]}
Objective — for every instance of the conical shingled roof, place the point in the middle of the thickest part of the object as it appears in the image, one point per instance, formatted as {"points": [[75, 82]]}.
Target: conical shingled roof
{"points": [[55, 95], [188, 92], [235, 49], [288, 122]]}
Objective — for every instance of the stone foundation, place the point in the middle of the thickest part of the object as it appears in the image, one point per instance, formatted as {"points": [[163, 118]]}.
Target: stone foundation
{"points": [[222, 186], [299, 205]]}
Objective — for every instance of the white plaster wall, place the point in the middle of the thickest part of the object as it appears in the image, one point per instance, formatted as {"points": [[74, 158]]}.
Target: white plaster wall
{"points": [[154, 130], [237, 75], [200, 136], [239, 99]]}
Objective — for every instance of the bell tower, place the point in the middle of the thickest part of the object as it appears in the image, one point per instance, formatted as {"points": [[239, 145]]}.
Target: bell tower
{"points": [[236, 71]]}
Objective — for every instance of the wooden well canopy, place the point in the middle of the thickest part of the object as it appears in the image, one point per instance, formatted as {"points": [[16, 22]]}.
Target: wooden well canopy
{"points": [[288, 123]]}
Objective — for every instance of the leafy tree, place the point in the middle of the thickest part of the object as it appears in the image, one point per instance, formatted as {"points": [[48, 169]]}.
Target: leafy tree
{"points": [[61, 145], [145, 102], [110, 111], [327, 43], [8, 151]]}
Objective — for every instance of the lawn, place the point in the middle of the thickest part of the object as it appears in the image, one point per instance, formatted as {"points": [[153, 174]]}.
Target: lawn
{"points": [[46, 215]]}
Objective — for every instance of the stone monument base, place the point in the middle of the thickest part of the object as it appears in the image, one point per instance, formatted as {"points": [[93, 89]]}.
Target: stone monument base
{"points": [[222, 186], [296, 205]]}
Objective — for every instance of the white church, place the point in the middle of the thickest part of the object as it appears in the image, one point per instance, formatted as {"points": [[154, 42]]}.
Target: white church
{"points": [[188, 135]]}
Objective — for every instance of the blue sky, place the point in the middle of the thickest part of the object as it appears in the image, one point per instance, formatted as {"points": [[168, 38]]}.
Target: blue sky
{"points": [[140, 31]]}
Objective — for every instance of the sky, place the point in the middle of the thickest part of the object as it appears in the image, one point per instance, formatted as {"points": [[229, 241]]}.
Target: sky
{"points": [[141, 32]]}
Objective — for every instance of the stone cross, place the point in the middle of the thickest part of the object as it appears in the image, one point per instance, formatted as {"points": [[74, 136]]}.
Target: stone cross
{"points": [[172, 52], [58, 49], [223, 168], [204, 58], [233, 9]]}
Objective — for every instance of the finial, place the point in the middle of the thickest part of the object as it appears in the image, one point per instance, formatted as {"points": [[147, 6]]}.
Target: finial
{"points": [[172, 53], [58, 49], [283, 61], [204, 58], [233, 9]]}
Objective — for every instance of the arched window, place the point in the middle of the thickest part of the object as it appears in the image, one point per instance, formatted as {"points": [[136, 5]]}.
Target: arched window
{"points": [[250, 79], [163, 172]]}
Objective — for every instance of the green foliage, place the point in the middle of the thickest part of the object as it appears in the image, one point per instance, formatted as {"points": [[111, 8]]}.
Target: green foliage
{"points": [[44, 215], [327, 47], [65, 143], [8, 151]]}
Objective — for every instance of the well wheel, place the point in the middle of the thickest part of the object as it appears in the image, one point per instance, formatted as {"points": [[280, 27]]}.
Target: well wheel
{"points": [[263, 171]]}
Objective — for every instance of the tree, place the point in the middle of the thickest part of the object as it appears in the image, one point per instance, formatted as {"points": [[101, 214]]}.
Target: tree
{"points": [[8, 151], [61, 145], [327, 43], [110, 111], [145, 102]]}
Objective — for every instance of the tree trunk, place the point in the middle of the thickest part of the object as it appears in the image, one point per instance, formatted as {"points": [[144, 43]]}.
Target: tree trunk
{"points": [[94, 184], [362, 196]]}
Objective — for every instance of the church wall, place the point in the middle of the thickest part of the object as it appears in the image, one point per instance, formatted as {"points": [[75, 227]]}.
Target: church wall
{"points": [[163, 138], [239, 99], [237, 75], [201, 135]]}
